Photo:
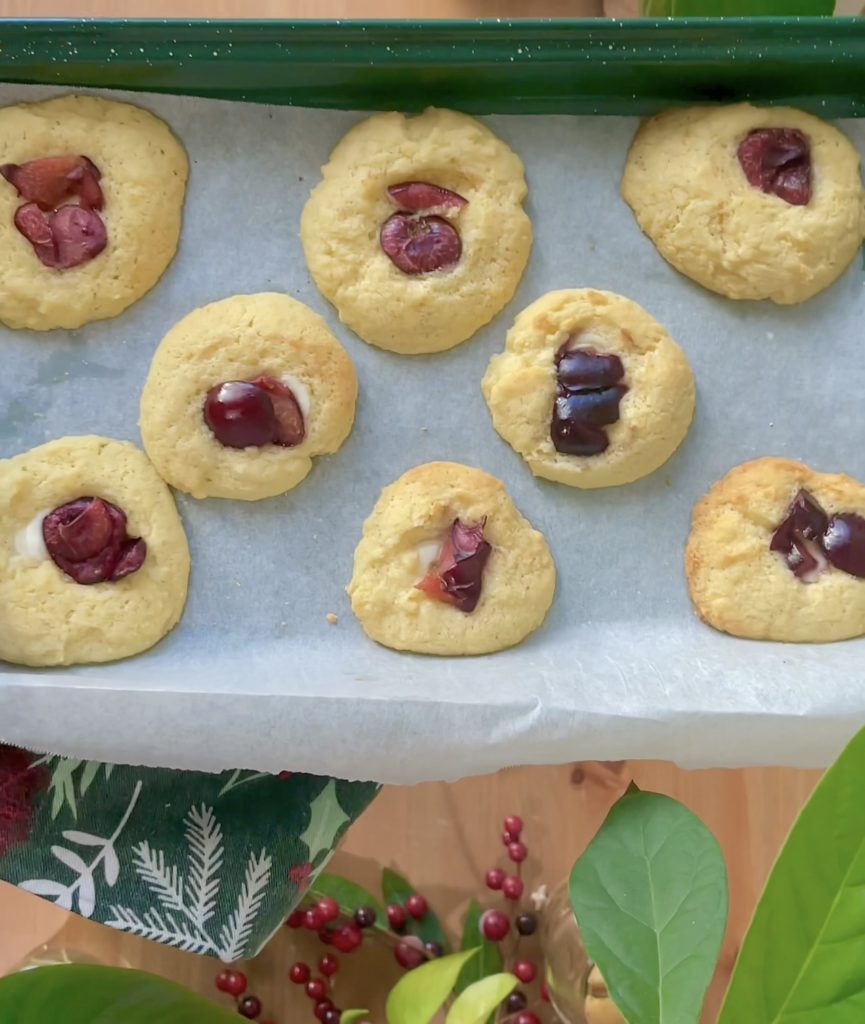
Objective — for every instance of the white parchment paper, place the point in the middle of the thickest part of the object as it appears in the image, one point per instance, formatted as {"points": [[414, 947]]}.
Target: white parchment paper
{"points": [[256, 677]]}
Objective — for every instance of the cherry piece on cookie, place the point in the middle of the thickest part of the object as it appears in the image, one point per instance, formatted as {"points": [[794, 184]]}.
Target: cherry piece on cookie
{"points": [[50, 180], [778, 161], [421, 197], [844, 543], [87, 540], [588, 394], [420, 245], [798, 538], [249, 414], [455, 576]]}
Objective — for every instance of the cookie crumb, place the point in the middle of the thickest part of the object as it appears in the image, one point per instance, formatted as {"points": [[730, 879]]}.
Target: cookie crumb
{"points": [[331, 618]]}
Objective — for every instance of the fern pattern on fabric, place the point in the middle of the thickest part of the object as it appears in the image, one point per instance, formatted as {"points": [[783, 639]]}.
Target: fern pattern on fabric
{"points": [[211, 864]]}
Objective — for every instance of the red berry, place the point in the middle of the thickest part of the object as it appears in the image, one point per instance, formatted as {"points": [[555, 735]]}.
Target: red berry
{"points": [[408, 955], [494, 925], [316, 988], [295, 919], [249, 1007], [515, 1002], [331, 1016], [508, 838], [299, 973], [395, 916], [328, 908], [517, 852], [232, 982], [416, 905], [328, 965], [526, 924], [494, 878], [347, 937], [364, 917], [514, 825], [321, 1008], [512, 887], [312, 919], [545, 992], [325, 936], [526, 1017], [524, 971]]}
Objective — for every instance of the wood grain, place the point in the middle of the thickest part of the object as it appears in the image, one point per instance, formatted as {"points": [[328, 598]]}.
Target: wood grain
{"points": [[443, 837]]}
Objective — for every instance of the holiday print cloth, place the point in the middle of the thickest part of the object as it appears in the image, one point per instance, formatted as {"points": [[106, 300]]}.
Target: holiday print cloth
{"points": [[211, 864]]}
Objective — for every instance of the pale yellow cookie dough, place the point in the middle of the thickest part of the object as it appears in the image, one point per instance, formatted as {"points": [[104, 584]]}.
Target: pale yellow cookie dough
{"points": [[46, 618], [690, 195], [144, 170], [741, 587], [344, 214], [241, 338], [401, 538], [654, 415]]}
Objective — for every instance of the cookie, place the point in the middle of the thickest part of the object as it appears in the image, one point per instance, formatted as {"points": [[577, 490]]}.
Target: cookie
{"points": [[777, 552], [590, 390], [416, 232], [89, 209], [751, 202], [447, 565], [94, 563], [243, 394]]}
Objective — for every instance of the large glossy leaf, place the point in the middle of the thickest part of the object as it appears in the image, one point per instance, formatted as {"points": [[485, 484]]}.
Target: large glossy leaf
{"points": [[478, 1001], [350, 1016], [395, 889], [349, 896], [88, 994], [803, 957], [418, 995], [489, 958], [732, 8], [650, 896]]}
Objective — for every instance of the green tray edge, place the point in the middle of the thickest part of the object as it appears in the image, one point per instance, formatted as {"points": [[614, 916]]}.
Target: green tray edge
{"points": [[598, 66]]}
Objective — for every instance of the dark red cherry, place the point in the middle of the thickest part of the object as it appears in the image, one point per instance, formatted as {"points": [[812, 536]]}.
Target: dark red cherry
{"points": [[66, 238], [778, 160], [51, 179], [456, 575], [240, 414], [578, 368], [844, 543], [87, 540], [419, 196], [797, 537], [290, 429], [420, 245]]}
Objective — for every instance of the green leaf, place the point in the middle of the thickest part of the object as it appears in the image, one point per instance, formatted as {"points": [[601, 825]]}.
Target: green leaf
{"points": [[478, 1001], [349, 896], [418, 995], [489, 960], [650, 896], [732, 8], [349, 1016], [801, 958], [395, 889], [88, 994], [326, 821]]}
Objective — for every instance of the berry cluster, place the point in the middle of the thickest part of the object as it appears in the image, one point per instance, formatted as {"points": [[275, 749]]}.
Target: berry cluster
{"points": [[343, 931]]}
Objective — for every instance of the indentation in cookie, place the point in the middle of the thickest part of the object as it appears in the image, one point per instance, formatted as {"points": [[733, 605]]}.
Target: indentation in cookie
{"points": [[87, 540], [778, 161], [456, 575], [588, 393], [246, 414], [809, 540]]}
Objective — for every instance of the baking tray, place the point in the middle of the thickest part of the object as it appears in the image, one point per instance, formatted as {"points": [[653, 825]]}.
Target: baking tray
{"points": [[413, 707]]}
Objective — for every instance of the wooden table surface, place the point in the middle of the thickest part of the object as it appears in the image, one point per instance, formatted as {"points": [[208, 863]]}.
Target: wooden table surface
{"points": [[442, 836]]}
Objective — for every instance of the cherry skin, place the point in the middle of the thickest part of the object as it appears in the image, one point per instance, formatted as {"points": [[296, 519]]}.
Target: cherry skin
{"points": [[240, 414], [365, 917], [527, 924], [331, 1016], [313, 919], [844, 543], [347, 937], [328, 908], [316, 988], [514, 825], [408, 955], [322, 1007], [517, 852], [328, 965], [395, 916], [295, 919], [433, 949], [516, 1001], [526, 1017]]}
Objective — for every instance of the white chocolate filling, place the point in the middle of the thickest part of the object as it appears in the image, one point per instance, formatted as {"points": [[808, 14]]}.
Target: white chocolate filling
{"points": [[29, 542], [300, 392]]}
